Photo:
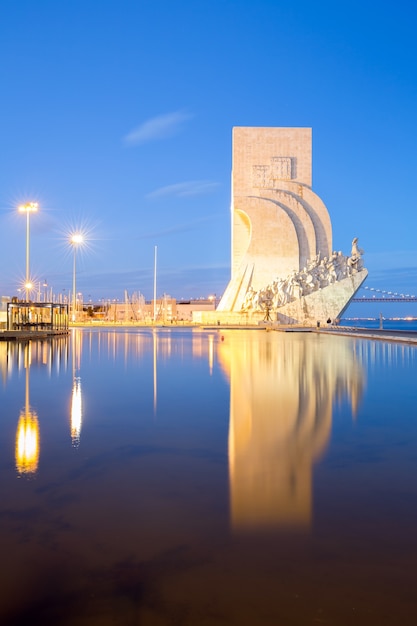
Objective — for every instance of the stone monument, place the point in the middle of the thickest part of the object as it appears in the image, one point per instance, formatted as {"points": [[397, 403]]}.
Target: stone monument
{"points": [[283, 265]]}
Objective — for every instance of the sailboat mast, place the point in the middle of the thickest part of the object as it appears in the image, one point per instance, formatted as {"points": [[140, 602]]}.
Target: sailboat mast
{"points": [[154, 286]]}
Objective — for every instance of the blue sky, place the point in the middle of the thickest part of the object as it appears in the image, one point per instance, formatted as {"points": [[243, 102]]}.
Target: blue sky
{"points": [[117, 118]]}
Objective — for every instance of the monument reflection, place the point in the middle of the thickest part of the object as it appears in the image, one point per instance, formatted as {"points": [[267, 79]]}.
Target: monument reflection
{"points": [[282, 392]]}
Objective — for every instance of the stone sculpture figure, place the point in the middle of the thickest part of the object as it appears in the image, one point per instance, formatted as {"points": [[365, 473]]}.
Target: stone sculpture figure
{"points": [[355, 262], [318, 274], [249, 298], [340, 265]]}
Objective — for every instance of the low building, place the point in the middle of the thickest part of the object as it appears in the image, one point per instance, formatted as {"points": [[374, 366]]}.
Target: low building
{"points": [[4, 300], [186, 309], [165, 310]]}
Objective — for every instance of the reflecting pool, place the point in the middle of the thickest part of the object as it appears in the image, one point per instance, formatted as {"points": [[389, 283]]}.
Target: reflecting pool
{"points": [[178, 476]]}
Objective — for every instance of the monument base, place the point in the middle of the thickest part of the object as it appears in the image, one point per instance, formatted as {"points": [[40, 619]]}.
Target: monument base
{"points": [[317, 308]]}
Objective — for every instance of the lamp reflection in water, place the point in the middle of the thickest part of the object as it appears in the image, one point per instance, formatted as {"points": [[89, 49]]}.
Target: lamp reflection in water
{"points": [[282, 390], [76, 412], [27, 435], [76, 398]]}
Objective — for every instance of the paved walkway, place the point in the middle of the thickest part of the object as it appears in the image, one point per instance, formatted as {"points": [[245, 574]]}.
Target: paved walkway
{"points": [[402, 336]]}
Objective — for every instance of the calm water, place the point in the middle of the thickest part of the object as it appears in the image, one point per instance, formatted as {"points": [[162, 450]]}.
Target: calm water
{"points": [[221, 477], [387, 324]]}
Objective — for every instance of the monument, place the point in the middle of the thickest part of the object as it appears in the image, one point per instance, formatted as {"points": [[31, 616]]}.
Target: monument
{"points": [[283, 265]]}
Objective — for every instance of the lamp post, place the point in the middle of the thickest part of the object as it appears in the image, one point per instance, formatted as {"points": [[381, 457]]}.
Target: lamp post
{"points": [[28, 208], [76, 240]]}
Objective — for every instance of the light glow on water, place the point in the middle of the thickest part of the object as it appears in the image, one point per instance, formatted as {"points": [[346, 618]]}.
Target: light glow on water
{"points": [[27, 443], [76, 412]]}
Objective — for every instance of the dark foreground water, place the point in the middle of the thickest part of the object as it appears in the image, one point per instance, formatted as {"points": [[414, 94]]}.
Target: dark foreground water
{"points": [[221, 477]]}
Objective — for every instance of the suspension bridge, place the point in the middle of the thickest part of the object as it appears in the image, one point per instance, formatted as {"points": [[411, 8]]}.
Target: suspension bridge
{"points": [[380, 295]]}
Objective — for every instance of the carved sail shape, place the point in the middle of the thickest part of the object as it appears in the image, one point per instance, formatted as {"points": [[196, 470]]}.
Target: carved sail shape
{"points": [[282, 258]]}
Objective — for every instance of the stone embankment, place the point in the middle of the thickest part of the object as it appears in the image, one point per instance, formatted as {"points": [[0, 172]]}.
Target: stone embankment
{"points": [[23, 335], [381, 334]]}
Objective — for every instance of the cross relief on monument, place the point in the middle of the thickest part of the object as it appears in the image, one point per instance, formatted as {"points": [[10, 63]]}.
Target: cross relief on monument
{"points": [[280, 168]]}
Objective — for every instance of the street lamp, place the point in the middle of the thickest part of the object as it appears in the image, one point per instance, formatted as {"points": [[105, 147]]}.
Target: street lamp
{"points": [[28, 208], [76, 240]]}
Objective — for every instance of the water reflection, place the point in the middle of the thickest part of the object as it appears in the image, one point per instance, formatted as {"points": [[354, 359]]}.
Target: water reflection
{"points": [[50, 356], [162, 344], [155, 370], [76, 397], [283, 388], [76, 412], [281, 399], [137, 527], [125, 343], [27, 435], [387, 353]]}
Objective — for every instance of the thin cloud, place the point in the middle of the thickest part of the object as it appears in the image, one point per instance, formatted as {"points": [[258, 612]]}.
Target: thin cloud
{"points": [[178, 228], [185, 189], [159, 127]]}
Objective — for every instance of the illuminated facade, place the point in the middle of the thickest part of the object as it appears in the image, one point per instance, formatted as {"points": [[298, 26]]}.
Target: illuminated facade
{"points": [[283, 265], [35, 316]]}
